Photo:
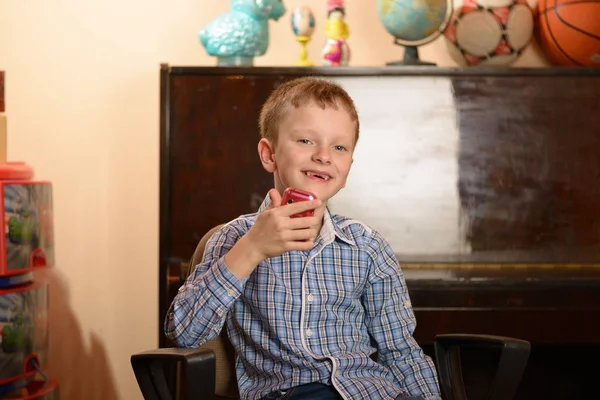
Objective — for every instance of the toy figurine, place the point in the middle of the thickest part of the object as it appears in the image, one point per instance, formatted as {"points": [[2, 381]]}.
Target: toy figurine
{"points": [[241, 34], [303, 26], [336, 51]]}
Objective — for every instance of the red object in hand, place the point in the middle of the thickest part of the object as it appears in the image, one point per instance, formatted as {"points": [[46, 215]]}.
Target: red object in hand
{"points": [[292, 195]]}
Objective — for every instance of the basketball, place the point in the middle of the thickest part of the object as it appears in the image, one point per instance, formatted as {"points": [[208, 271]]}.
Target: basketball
{"points": [[568, 31]]}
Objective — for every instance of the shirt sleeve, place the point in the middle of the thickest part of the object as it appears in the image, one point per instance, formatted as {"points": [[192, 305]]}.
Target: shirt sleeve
{"points": [[391, 322], [198, 311]]}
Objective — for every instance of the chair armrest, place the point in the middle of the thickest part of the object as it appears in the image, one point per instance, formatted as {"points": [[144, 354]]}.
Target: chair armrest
{"points": [[194, 371], [513, 360]]}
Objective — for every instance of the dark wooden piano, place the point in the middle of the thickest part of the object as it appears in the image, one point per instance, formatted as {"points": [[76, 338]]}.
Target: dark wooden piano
{"points": [[486, 182]]}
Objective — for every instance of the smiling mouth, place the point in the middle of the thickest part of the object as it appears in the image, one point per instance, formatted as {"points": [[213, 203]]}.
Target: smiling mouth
{"points": [[318, 175]]}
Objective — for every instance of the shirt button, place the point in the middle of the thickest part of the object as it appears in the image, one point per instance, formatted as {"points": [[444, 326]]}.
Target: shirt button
{"points": [[308, 333], [310, 298], [231, 292]]}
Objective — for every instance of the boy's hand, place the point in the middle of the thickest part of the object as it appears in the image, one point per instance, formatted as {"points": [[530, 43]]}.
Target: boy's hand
{"points": [[275, 233]]}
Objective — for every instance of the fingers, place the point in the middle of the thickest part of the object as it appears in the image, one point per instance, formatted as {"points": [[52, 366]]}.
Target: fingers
{"points": [[301, 206], [275, 198], [304, 241], [279, 233], [302, 222], [301, 235]]}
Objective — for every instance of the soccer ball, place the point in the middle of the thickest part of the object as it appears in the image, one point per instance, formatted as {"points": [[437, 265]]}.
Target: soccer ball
{"points": [[489, 32]]}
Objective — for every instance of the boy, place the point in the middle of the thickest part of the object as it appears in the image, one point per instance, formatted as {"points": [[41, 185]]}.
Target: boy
{"points": [[306, 300]]}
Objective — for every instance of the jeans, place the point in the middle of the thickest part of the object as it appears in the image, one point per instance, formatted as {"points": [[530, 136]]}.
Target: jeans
{"points": [[314, 391]]}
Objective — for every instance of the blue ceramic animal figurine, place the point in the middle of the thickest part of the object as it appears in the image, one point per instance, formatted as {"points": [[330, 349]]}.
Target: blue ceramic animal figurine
{"points": [[241, 34]]}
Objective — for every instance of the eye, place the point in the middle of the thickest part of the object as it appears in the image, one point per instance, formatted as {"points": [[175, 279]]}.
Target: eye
{"points": [[340, 148], [304, 141]]}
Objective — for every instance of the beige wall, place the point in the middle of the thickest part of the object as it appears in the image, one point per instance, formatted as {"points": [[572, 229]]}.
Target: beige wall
{"points": [[82, 105]]}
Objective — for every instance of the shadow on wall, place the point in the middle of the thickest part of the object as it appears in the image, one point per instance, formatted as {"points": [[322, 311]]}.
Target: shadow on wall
{"points": [[81, 373]]}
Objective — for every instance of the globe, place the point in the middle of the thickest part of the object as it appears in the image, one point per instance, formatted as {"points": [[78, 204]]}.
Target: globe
{"points": [[414, 23]]}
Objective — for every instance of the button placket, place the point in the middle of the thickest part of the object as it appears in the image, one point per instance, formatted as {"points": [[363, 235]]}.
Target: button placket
{"points": [[309, 299]]}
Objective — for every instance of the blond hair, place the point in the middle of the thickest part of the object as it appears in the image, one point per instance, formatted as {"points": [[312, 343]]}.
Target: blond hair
{"points": [[300, 92]]}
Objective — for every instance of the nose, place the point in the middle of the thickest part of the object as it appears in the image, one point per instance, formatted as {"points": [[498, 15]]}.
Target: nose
{"points": [[322, 155]]}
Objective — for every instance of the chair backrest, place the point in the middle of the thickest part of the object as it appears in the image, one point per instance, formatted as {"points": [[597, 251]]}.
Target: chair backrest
{"points": [[225, 380]]}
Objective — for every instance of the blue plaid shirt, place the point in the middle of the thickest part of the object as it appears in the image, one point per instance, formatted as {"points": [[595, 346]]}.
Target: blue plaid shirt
{"points": [[313, 316]]}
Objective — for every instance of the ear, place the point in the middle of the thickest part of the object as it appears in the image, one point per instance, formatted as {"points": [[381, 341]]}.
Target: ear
{"points": [[266, 150]]}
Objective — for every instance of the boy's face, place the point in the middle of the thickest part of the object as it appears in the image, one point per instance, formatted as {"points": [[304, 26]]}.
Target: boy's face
{"points": [[313, 151]]}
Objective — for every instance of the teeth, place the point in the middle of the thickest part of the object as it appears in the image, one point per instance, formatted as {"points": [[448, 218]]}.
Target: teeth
{"points": [[324, 177]]}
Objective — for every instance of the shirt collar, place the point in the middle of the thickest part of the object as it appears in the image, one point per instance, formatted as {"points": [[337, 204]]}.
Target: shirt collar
{"points": [[329, 231]]}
